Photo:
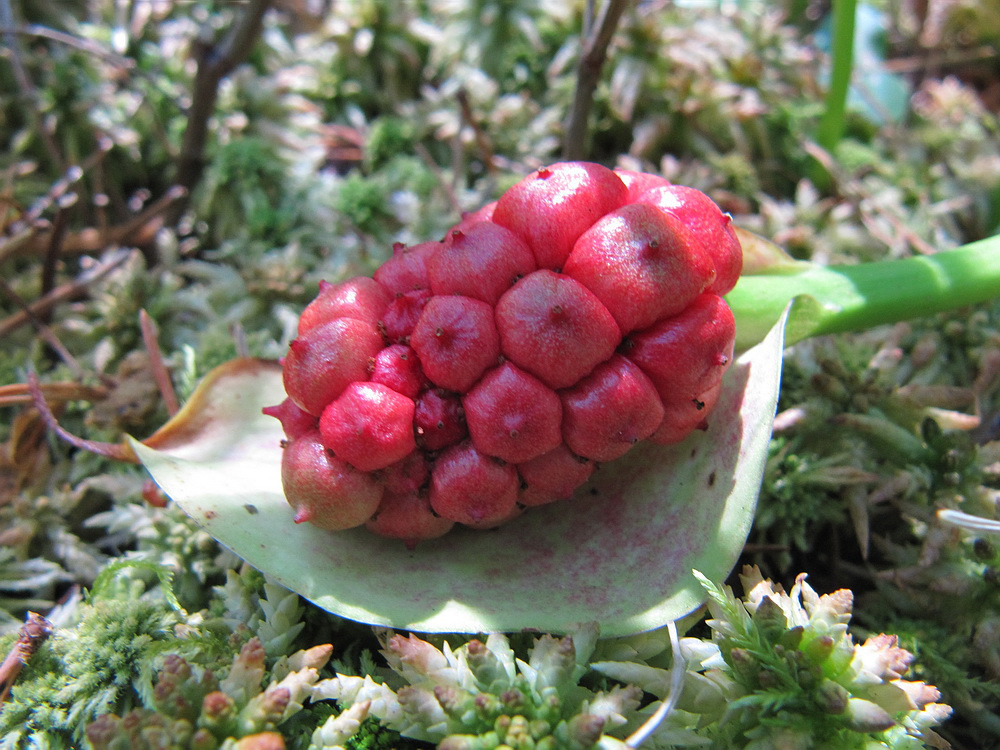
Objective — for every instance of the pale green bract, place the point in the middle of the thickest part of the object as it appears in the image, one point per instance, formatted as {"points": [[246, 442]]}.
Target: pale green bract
{"points": [[619, 553]]}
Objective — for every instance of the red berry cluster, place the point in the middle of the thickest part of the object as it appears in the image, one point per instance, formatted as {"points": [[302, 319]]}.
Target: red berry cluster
{"points": [[477, 376]]}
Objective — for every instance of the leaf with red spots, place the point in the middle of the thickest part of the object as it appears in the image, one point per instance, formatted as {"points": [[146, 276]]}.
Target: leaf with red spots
{"points": [[620, 552]]}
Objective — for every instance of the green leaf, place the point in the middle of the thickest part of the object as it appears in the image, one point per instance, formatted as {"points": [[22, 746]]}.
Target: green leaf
{"points": [[620, 553]]}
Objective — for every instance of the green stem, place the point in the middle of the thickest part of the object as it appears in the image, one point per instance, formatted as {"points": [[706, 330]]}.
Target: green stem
{"points": [[831, 127], [835, 299]]}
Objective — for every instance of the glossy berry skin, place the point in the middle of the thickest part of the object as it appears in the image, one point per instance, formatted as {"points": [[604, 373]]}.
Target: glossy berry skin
{"points": [[328, 358], [324, 490], [610, 410], [554, 205], [477, 377], [369, 425], [471, 488], [555, 328], [512, 415]]}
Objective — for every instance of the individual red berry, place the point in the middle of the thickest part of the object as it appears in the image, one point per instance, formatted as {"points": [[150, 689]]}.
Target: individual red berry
{"points": [[408, 475], [555, 328], [361, 297], [323, 490], [638, 183], [369, 425], [682, 416], [610, 410], [398, 367], [294, 421], [456, 340], [481, 262], [553, 206], [324, 360], [552, 476], [708, 224], [439, 419], [513, 415], [402, 314], [687, 354], [406, 270], [408, 516], [642, 263], [469, 220], [473, 489]]}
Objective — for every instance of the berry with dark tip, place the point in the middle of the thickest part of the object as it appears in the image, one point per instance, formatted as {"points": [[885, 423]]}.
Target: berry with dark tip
{"points": [[555, 328], [472, 488], [512, 415], [324, 490], [361, 297], [398, 367], [369, 425], [610, 410], [456, 340], [554, 205], [328, 358], [439, 419], [552, 476]]}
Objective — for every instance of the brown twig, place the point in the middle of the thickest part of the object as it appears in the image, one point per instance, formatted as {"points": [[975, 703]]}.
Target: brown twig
{"points": [[482, 142], [43, 329], [84, 45], [63, 292], [137, 231], [30, 637], [19, 393], [160, 373], [215, 62], [116, 451], [596, 37], [28, 90]]}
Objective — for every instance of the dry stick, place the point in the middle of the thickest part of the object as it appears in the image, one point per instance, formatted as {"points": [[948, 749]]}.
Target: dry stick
{"points": [[63, 292], [59, 228], [43, 330], [588, 71], [215, 62], [19, 393], [116, 451], [135, 231], [482, 141], [160, 373], [28, 90], [84, 45], [31, 635]]}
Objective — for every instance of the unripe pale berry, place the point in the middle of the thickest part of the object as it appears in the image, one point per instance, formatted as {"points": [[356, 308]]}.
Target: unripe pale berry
{"points": [[324, 490]]}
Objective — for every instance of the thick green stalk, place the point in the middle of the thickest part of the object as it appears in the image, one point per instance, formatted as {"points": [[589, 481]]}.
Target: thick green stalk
{"points": [[831, 127], [835, 299]]}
